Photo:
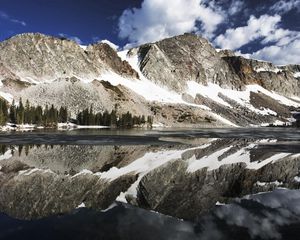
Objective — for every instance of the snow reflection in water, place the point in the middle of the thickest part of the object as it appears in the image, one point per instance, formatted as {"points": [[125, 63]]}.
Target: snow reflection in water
{"points": [[182, 180]]}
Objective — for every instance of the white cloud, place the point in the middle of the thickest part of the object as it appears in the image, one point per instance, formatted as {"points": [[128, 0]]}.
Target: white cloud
{"points": [[235, 7], [281, 37], [73, 38], [6, 17], [284, 6], [283, 46], [158, 19], [280, 55], [256, 28]]}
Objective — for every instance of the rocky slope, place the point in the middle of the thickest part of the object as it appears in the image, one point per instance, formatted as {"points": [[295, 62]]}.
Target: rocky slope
{"points": [[37, 57], [174, 61], [181, 81]]}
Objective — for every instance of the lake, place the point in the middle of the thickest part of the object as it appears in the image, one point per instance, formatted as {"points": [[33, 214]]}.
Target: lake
{"points": [[240, 183]]}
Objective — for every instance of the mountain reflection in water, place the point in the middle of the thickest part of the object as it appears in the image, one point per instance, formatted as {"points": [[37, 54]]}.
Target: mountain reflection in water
{"points": [[185, 177]]}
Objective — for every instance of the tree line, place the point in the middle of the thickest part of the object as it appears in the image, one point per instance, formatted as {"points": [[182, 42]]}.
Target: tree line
{"points": [[26, 147], [127, 120], [28, 114], [50, 116]]}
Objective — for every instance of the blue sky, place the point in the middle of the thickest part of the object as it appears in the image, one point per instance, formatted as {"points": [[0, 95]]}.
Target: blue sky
{"points": [[267, 30]]}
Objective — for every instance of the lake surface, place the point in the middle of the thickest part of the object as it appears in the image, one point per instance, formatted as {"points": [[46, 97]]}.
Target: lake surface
{"points": [[137, 184]]}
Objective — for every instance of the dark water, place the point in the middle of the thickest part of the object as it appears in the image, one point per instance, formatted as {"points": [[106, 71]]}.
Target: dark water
{"points": [[178, 184], [246, 219]]}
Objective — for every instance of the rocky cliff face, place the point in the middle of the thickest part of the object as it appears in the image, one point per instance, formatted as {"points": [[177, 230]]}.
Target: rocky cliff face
{"points": [[181, 80], [37, 57], [174, 61], [265, 74]]}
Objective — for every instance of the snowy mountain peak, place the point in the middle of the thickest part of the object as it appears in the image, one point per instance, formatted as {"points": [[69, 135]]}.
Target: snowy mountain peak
{"points": [[179, 81]]}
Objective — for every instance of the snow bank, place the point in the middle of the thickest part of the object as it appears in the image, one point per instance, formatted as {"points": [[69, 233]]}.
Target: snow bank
{"points": [[33, 170], [112, 45], [212, 91], [7, 96], [297, 75], [275, 70]]}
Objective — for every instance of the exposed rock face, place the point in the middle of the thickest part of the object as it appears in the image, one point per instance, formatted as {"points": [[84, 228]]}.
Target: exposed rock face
{"points": [[78, 96], [264, 74], [234, 114], [260, 100], [173, 61], [49, 70], [14, 86], [182, 115], [108, 55], [294, 68], [5, 73], [38, 57]]}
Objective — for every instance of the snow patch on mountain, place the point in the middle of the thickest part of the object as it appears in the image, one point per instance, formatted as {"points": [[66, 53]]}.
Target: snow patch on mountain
{"points": [[224, 120], [84, 47], [212, 91], [148, 89], [112, 45], [7, 96], [297, 75], [274, 95], [261, 69]]}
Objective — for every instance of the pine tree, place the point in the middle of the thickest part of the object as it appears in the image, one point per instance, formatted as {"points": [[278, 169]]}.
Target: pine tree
{"points": [[106, 119], [79, 118], [45, 116], [63, 115], [85, 117], [150, 121], [113, 118], [38, 115], [27, 113], [143, 120], [13, 113], [91, 116], [53, 116], [20, 112], [3, 112]]}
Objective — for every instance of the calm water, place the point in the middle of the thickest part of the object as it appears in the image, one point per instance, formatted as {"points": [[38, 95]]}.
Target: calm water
{"points": [[175, 184]]}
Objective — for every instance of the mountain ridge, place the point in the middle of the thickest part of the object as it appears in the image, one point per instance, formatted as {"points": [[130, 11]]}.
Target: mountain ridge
{"points": [[166, 79]]}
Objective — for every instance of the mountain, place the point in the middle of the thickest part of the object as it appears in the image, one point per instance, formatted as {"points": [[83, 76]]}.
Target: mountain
{"points": [[180, 81]]}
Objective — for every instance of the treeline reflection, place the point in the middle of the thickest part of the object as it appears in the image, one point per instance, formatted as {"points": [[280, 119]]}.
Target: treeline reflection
{"points": [[24, 148]]}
